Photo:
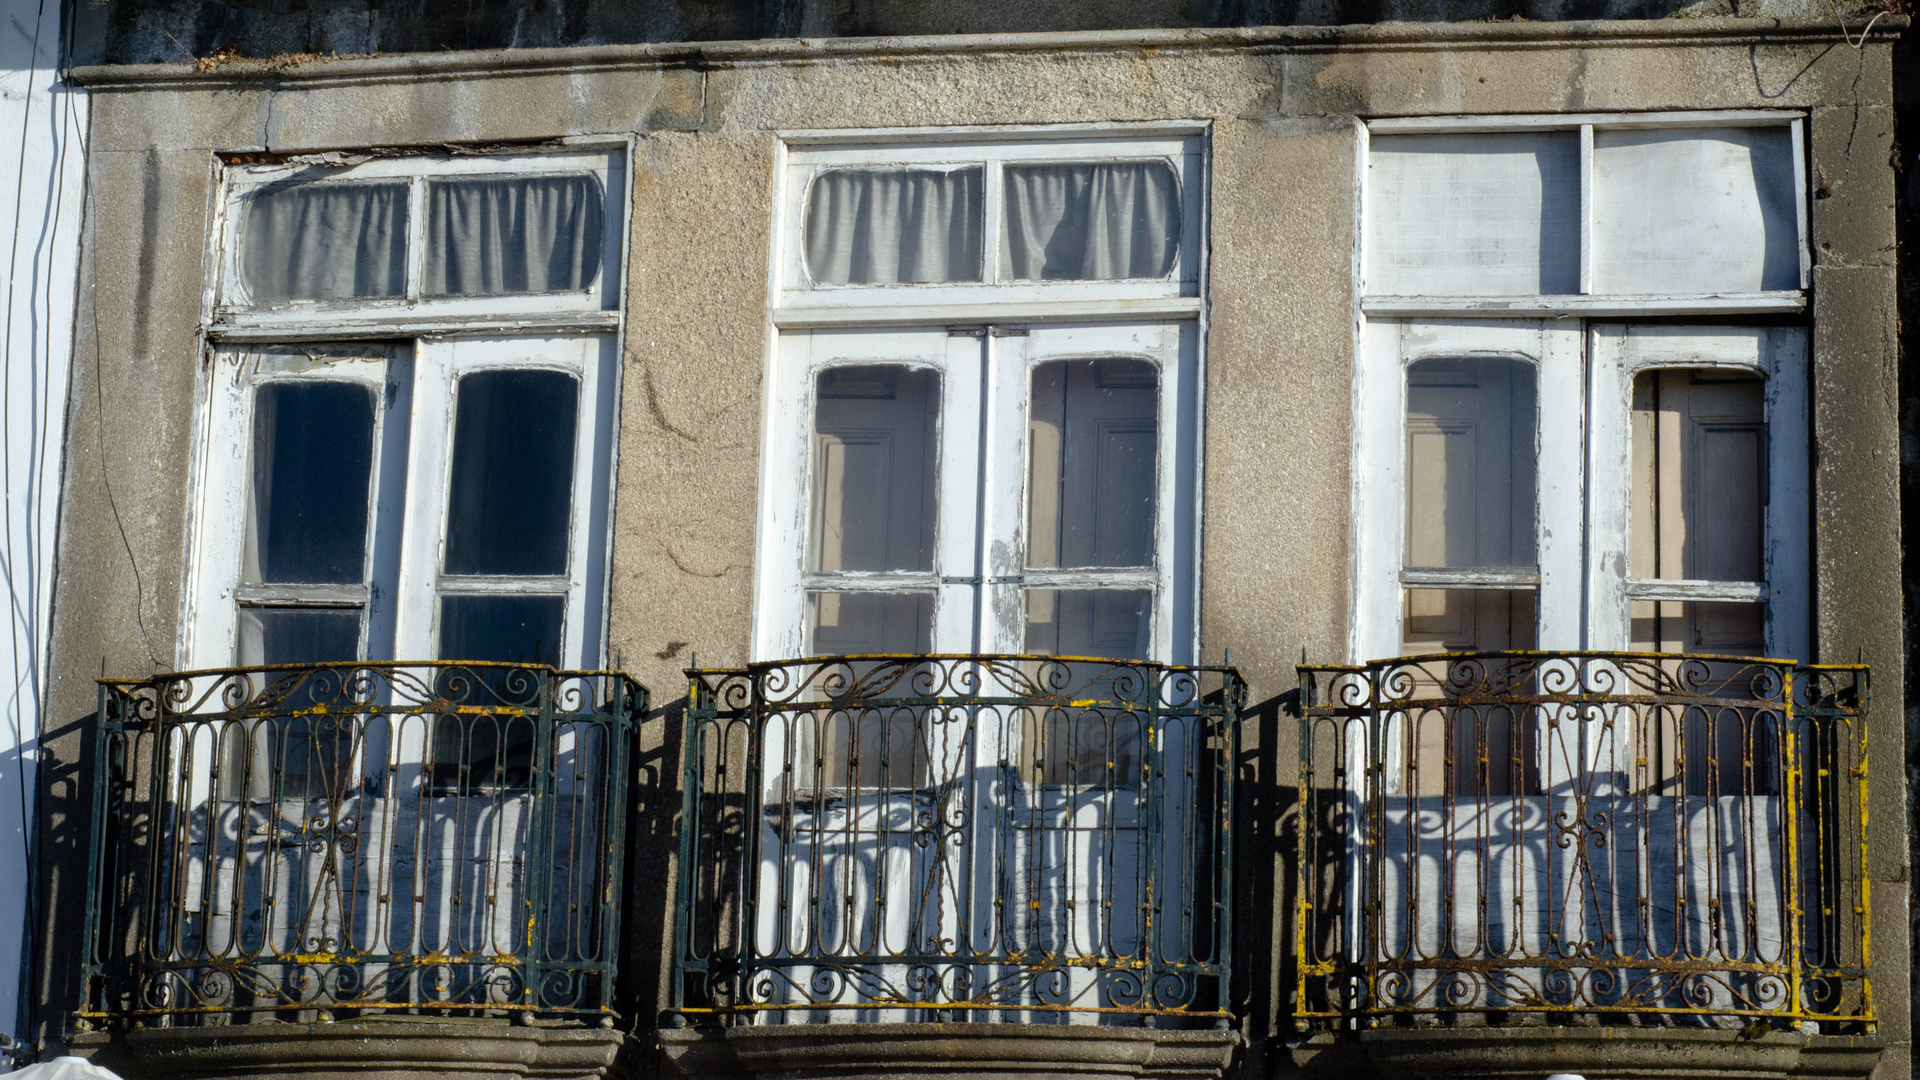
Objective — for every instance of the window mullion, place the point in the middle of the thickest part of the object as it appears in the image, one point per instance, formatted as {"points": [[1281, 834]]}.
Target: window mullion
{"points": [[999, 552], [416, 235], [418, 564], [1585, 196], [994, 200], [1561, 479]]}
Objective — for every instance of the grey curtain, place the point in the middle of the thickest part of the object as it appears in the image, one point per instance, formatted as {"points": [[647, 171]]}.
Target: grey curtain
{"points": [[894, 226], [325, 242], [1090, 221], [486, 237]]}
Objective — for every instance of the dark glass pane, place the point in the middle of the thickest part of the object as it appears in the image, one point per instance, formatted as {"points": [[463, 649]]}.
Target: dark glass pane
{"points": [[312, 464], [512, 473], [1108, 623], [492, 752], [312, 755], [874, 448], [869, 622], [481, 753], [325, 242], [1467, 620], [295, 636], [508, 629], [513, 235], [315, 755], [1470, 463], [1093, 444]]}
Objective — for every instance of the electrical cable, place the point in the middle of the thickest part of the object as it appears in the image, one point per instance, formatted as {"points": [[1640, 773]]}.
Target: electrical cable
{"points": [[29, 516], [1844, 36]]}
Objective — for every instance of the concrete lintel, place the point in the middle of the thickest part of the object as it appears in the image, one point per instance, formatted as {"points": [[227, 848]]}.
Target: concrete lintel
{"points": [[1372, 36]]}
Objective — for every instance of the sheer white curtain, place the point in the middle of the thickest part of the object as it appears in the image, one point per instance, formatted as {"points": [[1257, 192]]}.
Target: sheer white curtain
{"points": [[325, 242], [486, 237], [1090, 221], [894, 226]]}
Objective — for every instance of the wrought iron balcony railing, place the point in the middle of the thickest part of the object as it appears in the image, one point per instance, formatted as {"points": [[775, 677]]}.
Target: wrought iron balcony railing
{"points": [[1635, 838], [931, 838], [333, 840]]}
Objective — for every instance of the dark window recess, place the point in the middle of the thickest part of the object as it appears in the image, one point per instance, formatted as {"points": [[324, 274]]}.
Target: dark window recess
{"points": [[316, 756], [482, 754], [312, 464], [512, 473]]}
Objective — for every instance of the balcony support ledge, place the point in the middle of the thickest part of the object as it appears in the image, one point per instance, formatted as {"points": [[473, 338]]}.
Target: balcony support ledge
{"points": [[1011, 1051], [1617, 1053], [414, 1049]]}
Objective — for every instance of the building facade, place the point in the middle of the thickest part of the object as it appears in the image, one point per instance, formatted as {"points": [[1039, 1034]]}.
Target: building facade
{"points": [[44, 124], [1087, 542]]}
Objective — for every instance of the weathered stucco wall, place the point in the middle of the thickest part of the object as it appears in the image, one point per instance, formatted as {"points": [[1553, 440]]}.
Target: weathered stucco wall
{"points": [[1279, 353]]}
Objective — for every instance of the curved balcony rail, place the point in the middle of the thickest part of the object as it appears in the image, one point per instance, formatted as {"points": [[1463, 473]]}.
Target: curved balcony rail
{"points": [[337, 840], [957, 838], [1630, 838]]}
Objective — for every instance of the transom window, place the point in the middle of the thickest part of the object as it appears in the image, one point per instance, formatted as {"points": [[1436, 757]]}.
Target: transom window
{"points": [[410, 237], [1631, 214], [1075, 216]]}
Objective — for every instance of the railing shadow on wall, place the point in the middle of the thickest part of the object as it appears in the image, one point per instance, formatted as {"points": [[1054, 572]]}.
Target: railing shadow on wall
{"points": [[1503, 838], [328, 841], [957, 838]]}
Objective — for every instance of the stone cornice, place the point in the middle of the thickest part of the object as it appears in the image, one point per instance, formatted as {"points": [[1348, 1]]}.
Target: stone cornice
{"points": [[1391, 36]]}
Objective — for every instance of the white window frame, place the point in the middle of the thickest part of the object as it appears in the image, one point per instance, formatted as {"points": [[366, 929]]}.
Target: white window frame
{"points": [[422, 581], [216, 591], [1583, 439], [947, 327], [598, 305], [1380, 500], [1620, 351], [983, 466], [578, 332]]}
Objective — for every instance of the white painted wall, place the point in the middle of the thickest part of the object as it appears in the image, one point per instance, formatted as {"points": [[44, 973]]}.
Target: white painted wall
{"points": [[42, 180]]}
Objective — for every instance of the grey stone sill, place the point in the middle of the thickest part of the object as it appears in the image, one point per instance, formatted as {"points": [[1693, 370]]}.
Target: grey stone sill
{"points": [[434, 1049], [870, 1051], [1617, 1053]]}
